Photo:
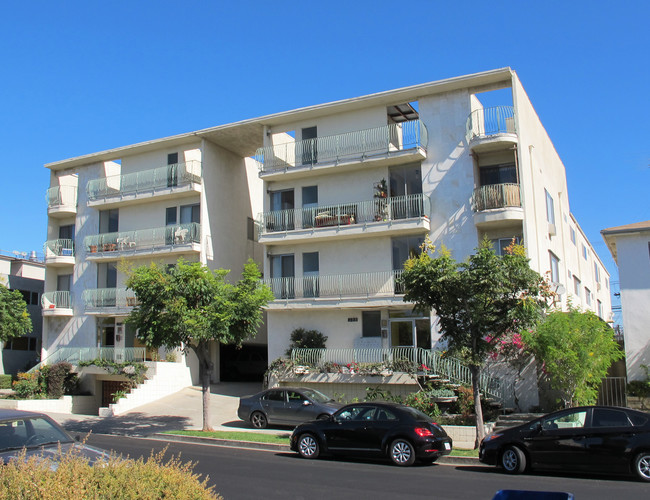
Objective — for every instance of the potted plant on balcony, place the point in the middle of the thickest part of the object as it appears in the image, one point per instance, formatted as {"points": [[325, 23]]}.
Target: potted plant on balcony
{"points": [[381, 205]]}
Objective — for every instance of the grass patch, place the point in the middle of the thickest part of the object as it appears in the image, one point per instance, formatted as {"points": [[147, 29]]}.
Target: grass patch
{"points": [[464, 453]]}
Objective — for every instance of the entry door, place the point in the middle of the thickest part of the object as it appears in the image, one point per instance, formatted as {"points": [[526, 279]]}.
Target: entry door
{"points": [[309, 150], [404, 181], [282, 270], [309, 205], [282, 205], [410, 332]]}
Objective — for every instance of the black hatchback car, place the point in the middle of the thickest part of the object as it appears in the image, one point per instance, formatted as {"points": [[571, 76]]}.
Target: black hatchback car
{"points": [[399, 432], [589, 438]]}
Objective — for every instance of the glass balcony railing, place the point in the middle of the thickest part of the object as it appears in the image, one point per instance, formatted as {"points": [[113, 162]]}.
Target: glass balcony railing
{"points": [[60, 196], [146, 181], [100, 298], [379, 283], [56, 300], [344, 214], [351, 146], [58, 248], [75, 355], [495, 120], [143, 240], [496, 196]]}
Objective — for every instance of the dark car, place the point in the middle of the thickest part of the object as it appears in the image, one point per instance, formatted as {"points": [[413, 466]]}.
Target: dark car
{"points": [[39, 435], [589, 438], [399, 432], [285, 406]]}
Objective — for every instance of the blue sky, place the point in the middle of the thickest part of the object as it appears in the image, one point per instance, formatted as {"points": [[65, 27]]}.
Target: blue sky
{"points": [[81, 77]]}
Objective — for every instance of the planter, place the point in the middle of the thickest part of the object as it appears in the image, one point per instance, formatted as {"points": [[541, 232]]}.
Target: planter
{"points": [[445, 399], [93, 248]]}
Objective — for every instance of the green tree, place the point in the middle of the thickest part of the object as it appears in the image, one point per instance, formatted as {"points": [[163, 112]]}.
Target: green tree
{"points": [[576, 349], [190, 306], [477, 301], [14, 318]]}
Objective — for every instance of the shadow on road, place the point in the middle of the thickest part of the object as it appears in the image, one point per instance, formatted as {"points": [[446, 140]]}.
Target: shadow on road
{"points": [[132, 424]]}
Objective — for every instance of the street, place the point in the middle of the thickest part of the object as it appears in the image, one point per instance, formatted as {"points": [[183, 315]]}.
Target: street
{"points": [[240, 474]]}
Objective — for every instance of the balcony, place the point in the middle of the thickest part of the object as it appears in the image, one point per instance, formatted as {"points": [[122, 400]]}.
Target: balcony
{"points": [[497, 205], [59, 253], [61, 201], [167, 240], [398, 214], [56, 304], [108, 301], [381, 146], [491, 129], [169, 181], [328, 289]]}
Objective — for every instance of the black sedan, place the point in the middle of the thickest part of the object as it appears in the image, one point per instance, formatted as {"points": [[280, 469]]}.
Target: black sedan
{"points": [[399, 432], [589, 438], [285, 406]]}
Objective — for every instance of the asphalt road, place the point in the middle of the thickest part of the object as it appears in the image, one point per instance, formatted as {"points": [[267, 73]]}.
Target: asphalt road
{"points": [[240, 474]]}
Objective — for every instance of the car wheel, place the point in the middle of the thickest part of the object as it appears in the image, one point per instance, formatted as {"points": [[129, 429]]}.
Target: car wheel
{"points": [[323, 416], [513, 460], [402, 452], [308, 446], [642, 466], [259, 420]]}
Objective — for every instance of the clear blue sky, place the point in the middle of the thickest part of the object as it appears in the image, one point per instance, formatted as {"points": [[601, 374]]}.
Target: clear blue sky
{"points": [[83, 76]]}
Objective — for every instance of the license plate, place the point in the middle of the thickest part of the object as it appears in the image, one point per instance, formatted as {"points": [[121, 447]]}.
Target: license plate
{"points": [[447, 446]]}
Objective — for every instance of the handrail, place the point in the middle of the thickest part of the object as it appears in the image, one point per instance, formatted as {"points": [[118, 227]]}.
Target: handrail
{"points": [[170, 176], [378, 283], [75, 355], [494, 120], [57, 196], [59, 248], [99, 298], [143, 239], [496, 196], [350, 146], [56, 300], [343, 214], [436, 363]]}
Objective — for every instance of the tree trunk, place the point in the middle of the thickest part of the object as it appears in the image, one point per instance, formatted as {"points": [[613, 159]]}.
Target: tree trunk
{"points": [[480, 428], [205, 373]]}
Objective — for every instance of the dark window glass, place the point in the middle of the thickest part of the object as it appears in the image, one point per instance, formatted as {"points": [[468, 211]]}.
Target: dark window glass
{"points": [[172, 158], [66, 232], [274, 396], [499, 174], [170, 216], [190, 213], [27, 296], [250, 229], [34, 298], [371, 324], [604, 417], [20, 344], [638, 420]]}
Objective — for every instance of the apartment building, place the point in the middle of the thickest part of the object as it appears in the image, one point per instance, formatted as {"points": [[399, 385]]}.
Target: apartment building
{"points": [[25, 274], [341, 194]]}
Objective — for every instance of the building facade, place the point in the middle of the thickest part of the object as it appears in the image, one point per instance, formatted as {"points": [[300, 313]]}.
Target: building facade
{"points": [[630, 248], [341, 194]]}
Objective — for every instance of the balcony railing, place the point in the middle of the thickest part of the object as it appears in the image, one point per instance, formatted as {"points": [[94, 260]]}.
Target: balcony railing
{"points": [[75, 355], [344, 214], [56, 300], [485, 122], [346, 147], [146, 181], [59, 196], [58, 248], [100, 298], [496, 196], [380, 283], [446, 367], [143, 240]]}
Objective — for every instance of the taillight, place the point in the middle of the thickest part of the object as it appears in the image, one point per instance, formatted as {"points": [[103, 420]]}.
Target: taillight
{"points": [[423, 432]]}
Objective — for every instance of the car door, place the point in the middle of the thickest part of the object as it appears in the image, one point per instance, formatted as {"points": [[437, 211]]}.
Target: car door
{"points": [[350, 429], [298, 408], [607, 439], [560, 440], [273, 404]]}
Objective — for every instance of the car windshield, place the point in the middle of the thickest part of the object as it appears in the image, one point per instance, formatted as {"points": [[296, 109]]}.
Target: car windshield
{"points": [[316, 396], [30, 432]]}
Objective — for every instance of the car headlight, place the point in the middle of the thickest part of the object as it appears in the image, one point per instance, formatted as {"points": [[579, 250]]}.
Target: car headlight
{"points": [[490, 437]]}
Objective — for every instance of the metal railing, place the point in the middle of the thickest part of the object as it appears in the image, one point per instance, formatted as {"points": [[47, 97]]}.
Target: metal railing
{"points": [[58, 196], [496, 196], [343, 214], [344, 147], [382, 283], [145, 181], [495, 120], [56, 300], [140, 240], [100, 298], [75, 355], [436, 363], [612, 391], [58, 248]]}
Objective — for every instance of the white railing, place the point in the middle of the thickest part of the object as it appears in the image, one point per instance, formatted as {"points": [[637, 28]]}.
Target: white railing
{"points": [[75, 355], [58, 196], [58, 248], [496, 196], [411, 206], [100, 298], [56, 300], [143, 239], [378, 283], [350, 146], [145, 181], [435, 362], [485, 122]]}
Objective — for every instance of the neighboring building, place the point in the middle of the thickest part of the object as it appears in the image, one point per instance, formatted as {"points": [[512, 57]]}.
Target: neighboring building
{"points": [[344, 193], [630, 247], [26, 276]]}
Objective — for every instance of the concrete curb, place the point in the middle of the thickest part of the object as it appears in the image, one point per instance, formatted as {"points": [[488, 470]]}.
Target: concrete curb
{"points": [[446, 460]]}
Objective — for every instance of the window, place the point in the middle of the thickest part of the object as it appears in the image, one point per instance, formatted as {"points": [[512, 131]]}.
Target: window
{"points": [[500, 244], [588, 296], [555, 267], [63, 282], [66, 232], [505, 173], [371, 324], [109, 221], [172, 169], [605, 417], [576, 286], [570, 420], [600, 309], [405, 247], [550, 208], [170, 216], [250, 229], [310, 269], [309, 149], [190, 213], [274, 396], [573, 235], [584, 251], [596, 273]]}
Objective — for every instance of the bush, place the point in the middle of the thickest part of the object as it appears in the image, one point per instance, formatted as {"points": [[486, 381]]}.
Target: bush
{"points": [[55, 377], [28, 385], [5, 381], [422, 401], [639, 388], [308, 339], [37, 479]]}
